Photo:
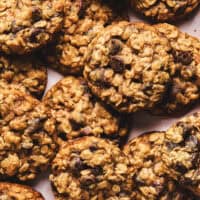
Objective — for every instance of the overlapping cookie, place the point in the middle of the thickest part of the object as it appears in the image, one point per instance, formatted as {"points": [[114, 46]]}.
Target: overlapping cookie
{"points": [[164, 10], [127, 66], [75, 112], [83, 21], [90, 168], [11, 191], [27, 147], [26, 25]]}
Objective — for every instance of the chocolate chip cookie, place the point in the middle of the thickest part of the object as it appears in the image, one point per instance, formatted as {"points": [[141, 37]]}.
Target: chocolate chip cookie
{"points": [[90, 168], [127, 66], [83, 20], [185, 70], [181, 152], [148, 170], [11, 191], [26, 144], [26, 71], [164, 10], [76, 112], [26, 25]]}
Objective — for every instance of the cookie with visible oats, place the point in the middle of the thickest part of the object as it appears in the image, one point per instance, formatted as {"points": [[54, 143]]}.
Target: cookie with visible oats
{"points": [[184, 89], [84, 19], [164, 10], [127, 66], [180, 152], [27, 147], [26, 71], [26, 25], [10, 191], [148, 171], [75, 112], [90, 168]]}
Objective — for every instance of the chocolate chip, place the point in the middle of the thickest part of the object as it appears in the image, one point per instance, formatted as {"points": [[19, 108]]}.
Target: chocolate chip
{"points": [[97, 170], [185, 57], [117, 64], [36, 14], [86, 182], [62, 136], [93, 148], [116, 47], [34, 34], [75, 125]]}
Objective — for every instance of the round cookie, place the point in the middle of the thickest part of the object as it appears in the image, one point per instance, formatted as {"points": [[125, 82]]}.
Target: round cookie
{"points": [[27, 147], [9, 191], [185, 70], [26, 71], [164, 10], [180, 152], [127, 66], [83, 20], [90, 168], [149, 172], [26, 25], [75, 112]]}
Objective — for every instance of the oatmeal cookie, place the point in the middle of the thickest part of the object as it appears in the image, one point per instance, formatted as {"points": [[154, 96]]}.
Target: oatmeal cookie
{"points": [[90, 168], [185, 70], [181, 152], [149, 172], [11, 191], [26, 71], [127, 66], [76, 112], [83, 20], [26, 25], [164, 10], [26, 147]]}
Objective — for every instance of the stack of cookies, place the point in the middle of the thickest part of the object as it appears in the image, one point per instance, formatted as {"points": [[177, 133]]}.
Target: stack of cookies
{"points": [[112, 68]]}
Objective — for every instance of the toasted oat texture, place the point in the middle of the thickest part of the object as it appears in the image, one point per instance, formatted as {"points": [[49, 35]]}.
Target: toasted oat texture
{"points": [[164, 10], [127, 66], [26, 71], [76, 112], [184, 70], [26, 25], [11, 191], [83, 20], [180, 152], [149, 172], [90, 168], [25, 143]]}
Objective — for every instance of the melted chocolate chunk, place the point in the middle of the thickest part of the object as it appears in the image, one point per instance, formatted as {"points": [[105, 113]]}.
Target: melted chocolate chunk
{"points": [[185, 57]]}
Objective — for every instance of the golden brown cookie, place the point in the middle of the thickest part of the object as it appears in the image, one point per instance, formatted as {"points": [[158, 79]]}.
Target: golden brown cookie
{"points": [[26, 25], [127, 66], [11, 191], [90, 168], [75, 112]]}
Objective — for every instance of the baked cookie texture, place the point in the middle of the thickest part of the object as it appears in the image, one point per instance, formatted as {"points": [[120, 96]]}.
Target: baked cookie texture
{"points": [[180, 152], [184, 89], [90, 168], [127, 66], [11, 191], [26, 145], [26, 71], [75, 112], [164, 10], [148, 171], [26, 25], [83, 20]]}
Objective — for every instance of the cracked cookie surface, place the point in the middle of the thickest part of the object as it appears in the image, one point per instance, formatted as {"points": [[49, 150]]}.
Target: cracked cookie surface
{"points": [[25, 143], [11, 191], [83, 20], [184, 89], [164, 10], [26, 25], [90, 168], [26, 71], [127, 66], [148, 171], [75, 112], [180, 152]]}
